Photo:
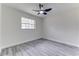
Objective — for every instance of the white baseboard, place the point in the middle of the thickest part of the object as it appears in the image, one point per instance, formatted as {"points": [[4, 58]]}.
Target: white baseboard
{"points": [[35, 39], [67, 43], [14, 44]]}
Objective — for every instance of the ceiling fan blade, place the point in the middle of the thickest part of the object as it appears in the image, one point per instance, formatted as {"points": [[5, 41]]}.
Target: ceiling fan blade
{"points": [[36, 10], [47, 10], [45, 13]]}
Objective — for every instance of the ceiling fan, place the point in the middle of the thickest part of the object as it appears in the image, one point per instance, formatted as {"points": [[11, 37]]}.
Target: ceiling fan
{"points": [[42, 10]]}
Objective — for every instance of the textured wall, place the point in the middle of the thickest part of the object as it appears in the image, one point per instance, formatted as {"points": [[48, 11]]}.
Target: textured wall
{"points": [[63, 27], [12, 33]]}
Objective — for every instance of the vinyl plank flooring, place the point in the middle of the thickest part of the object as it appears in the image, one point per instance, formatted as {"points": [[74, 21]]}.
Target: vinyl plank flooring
{"points": [[41, 47]]}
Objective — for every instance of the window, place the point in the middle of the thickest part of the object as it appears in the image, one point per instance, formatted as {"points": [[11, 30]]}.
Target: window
{"points": [[27, 23]]}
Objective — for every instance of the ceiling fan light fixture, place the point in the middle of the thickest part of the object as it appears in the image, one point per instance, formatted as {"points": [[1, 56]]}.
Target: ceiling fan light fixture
{"points": [[41, 12]]}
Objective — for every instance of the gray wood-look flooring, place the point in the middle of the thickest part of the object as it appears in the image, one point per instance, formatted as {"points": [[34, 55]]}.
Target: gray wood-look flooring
{"points": [[41, 47]]}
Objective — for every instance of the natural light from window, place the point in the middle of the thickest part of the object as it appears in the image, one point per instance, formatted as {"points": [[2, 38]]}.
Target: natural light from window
{"points": [[27, 23]]}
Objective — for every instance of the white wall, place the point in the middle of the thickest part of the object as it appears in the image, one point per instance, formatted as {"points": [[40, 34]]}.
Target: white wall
{"points": [[0, 28], [12, 33], [63, 27]]}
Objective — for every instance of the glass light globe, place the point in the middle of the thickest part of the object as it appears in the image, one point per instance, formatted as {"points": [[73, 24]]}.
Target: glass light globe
{"points": [[41, 12]]}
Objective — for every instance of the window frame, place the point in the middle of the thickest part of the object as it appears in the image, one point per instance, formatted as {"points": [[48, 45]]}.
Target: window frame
{"points": [[28, 23]]}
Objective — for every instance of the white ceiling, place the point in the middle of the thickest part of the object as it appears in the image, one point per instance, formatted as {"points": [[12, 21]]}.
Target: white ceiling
{"points": [[29, 7]]}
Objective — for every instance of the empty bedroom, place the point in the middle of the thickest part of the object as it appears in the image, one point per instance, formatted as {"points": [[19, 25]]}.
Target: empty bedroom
{"points": [[39, 29]]}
